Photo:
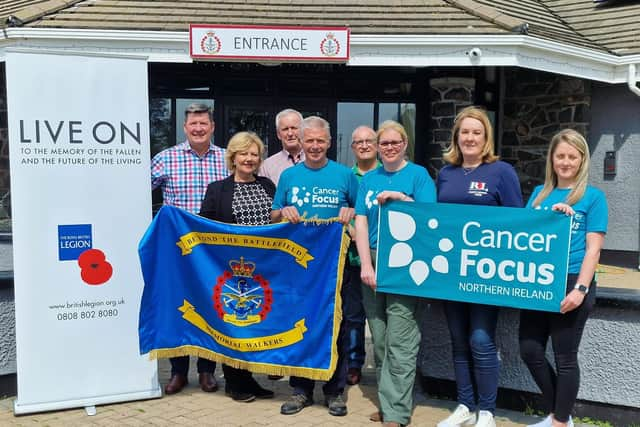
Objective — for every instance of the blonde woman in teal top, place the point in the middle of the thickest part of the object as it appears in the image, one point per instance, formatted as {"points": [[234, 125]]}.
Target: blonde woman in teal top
{"points": [[565, 190]]}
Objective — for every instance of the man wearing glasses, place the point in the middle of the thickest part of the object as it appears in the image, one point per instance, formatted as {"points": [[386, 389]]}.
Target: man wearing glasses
{"points": [[365, 149]]}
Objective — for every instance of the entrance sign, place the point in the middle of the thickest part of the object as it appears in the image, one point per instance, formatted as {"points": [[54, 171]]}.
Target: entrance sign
{"points": [[249, 43], [81, 197], [482, 254]]}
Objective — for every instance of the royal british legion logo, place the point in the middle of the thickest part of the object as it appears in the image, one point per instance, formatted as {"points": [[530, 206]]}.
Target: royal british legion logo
{"points": [[241, 297], [478, 188]]}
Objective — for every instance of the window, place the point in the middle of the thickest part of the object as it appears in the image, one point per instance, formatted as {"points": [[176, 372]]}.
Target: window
{"points": [[354, 114]]}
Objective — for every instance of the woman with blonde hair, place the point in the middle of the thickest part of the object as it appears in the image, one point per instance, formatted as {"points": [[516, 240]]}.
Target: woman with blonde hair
{"points": [[475, 176], [566, 190], [241, 198], [392, 318]]}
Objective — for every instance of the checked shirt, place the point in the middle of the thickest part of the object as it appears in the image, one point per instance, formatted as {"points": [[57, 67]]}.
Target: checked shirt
{"points": [[183, 176]]}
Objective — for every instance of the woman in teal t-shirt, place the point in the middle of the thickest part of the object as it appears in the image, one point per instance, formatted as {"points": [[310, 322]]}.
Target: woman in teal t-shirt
{"points": [[565, 190], [392, 318]]}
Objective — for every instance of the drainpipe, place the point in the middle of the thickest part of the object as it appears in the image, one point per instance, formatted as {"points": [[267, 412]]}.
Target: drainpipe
{"points": [[632, 80], [632, 83]]}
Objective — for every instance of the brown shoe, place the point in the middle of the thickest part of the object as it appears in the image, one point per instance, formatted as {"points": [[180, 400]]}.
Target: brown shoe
{"points": [[376, 417], [353, 376], [176, 384], [207, 382]]}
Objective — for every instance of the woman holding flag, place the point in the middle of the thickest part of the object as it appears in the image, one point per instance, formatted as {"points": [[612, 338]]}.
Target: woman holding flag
{"points": [[565, 190], [241, 198]]}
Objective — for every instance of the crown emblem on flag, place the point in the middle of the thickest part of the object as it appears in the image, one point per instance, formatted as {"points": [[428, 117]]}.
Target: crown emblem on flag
{"points": [[242, 268]]}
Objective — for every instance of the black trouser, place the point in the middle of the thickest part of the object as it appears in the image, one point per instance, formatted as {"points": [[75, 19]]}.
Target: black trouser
{"points": [[338, 380], [238, 380], [180, 365], [559, 387]]}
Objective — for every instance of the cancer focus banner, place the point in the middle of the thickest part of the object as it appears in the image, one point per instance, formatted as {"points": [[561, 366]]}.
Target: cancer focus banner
{"points": [[264, 298], [482, 254], [81, 197]]}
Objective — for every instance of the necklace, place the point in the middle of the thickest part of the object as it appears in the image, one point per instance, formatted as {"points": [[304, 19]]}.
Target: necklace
{"points": [[467, 171]]}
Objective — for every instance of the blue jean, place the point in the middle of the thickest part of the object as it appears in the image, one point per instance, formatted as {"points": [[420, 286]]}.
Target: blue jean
{"points": [[355, 318], [475, 356]]}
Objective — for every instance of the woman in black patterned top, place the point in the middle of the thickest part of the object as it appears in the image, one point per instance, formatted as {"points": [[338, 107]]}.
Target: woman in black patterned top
{"points": [[241, 198]]}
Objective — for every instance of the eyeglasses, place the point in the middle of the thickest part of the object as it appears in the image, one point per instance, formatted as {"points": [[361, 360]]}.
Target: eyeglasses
{"points": [[363, 142], [390, 144]]}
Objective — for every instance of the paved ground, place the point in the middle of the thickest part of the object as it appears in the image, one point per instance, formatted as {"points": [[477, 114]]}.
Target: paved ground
{"points": [[193, 407], [618, 277]]}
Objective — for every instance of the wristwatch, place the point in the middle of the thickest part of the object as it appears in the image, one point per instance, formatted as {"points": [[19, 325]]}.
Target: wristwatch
{"points": [[582, 288]]}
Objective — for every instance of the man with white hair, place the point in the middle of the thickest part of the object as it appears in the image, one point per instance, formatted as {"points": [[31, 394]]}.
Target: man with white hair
{"points": [[288, 131]]}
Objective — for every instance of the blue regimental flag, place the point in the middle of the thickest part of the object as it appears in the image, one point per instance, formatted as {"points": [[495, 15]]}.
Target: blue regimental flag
{"points": [[263, 298], [482, 254]]}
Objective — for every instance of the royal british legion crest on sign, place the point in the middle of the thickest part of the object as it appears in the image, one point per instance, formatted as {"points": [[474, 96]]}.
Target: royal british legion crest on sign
{"points": [[210, 43], [330, 46]]}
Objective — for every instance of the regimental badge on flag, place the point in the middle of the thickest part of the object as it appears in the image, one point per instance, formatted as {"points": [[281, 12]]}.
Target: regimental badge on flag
{"points": [[263, 298]]}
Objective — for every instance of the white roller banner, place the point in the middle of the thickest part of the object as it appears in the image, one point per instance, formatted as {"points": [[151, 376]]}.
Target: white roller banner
{"points": [[81, 198]]}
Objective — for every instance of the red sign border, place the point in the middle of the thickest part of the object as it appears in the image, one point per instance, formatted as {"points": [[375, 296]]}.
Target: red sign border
{"points": [[271, 58]]}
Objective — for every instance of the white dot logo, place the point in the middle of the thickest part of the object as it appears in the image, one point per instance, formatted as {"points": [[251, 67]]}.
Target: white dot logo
{"points": [[298, 198], [402, 228], [367, 200]]}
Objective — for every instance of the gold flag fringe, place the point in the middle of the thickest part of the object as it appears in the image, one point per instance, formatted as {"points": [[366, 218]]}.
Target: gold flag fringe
{"points": [[271, 369]]}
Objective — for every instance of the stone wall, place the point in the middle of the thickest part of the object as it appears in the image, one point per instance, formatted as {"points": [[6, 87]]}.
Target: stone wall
{"points": [[448, 96], [8, 332], [537, 105]]}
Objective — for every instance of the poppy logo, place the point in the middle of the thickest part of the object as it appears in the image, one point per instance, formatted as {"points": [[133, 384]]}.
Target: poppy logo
{"points": [[94, 267]]}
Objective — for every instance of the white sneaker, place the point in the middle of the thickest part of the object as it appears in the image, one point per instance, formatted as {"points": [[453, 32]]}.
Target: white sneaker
{"points": [[460, 417], [547, 422], [485, 419]]}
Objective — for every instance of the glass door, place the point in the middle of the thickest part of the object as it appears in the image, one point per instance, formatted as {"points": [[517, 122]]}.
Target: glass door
{"points": [[259, 114]]}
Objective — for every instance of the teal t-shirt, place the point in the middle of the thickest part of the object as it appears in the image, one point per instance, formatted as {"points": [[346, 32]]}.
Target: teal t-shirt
{"points": [[412, 180], [591, 216], [354, 259], [317, 193]]}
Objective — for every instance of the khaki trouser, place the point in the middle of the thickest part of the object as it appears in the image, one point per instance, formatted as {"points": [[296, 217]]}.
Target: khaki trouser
{"points": [[396, 340]]}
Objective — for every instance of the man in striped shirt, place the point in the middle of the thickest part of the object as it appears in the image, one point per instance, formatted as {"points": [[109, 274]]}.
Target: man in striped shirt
{"points": [[183, 172]]}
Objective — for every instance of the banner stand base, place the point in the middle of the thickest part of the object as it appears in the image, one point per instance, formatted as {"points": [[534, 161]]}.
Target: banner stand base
{"points": [[20, 408], [90, 410]]}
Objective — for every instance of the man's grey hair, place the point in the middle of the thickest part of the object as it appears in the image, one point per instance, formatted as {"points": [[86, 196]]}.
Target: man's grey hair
{"points": [[363, 127], [286, 112], [198, 107], [315, 122]]}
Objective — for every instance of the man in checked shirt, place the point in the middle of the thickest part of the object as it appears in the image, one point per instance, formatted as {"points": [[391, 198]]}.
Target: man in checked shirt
{"points": [[183, 173]]}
